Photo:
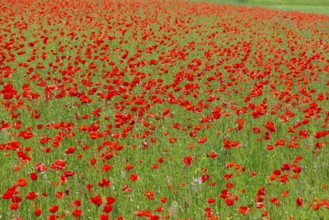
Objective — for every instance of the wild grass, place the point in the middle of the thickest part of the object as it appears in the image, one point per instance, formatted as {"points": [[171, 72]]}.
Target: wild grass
{"points": [[305, 6], [162, 110]]}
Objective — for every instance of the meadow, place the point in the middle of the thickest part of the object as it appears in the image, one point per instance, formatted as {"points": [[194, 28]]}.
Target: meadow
{"points": [[306, 6], [162, 110]]}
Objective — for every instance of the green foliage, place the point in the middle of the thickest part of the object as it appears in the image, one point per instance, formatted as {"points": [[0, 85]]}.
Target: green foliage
{"points": [[316, 6], [273, 2]]}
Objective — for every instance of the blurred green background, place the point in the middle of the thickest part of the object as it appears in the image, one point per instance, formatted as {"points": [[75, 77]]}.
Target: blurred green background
{"points": [[307, 6]]}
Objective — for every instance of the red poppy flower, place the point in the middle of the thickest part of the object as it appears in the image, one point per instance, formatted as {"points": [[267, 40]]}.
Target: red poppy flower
{"points": [[202, 140], [143, 213], [270, 126], [76, 203], [104, 183], [21, 182], [126, 188], [110, 200], [53, 208], [70, 150], [58, 165], [77, 212], [107, 208], [97, 200], [13, 206], [37, 212], [129, 167], [205, 177], [240, 123], [228, 176], [149, 194], [187, 160], [104, 217], [31, 196], [212, 155], [243, 210], [68, 173], [299, 201], [321, 134], [229, 202], [133, 177], [163, 200], [211, 200]]}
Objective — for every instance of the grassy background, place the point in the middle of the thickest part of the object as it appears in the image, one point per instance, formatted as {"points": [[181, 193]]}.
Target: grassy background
{"points": [[287, 2], [302, 8], [314, 6], [277, 2]]}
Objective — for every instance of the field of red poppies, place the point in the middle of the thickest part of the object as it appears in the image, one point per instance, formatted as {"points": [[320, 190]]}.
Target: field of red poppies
{"points": [[162, 110]]}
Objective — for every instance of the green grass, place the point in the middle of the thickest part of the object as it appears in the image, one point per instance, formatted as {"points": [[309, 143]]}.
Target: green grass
{"points": [[305, 6], [301, 8], [275, 2], [244, 65], [287, 2]]}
